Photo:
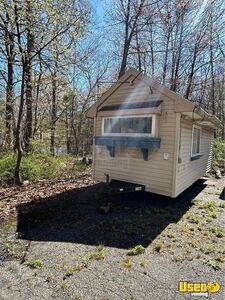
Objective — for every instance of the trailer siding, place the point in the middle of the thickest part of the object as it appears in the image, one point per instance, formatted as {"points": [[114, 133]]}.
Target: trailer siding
{"points": [[189, 171], [128, 164]]}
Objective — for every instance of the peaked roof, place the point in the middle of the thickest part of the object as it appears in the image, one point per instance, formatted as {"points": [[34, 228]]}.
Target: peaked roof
{"points": [[182, 104]]}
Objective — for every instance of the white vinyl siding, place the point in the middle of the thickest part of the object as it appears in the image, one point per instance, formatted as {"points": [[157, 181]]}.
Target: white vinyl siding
{"points": [[189, 171]]}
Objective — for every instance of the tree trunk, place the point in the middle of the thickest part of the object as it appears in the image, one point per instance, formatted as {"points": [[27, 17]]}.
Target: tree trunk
{"points": [[152, 51], [190, 77], [166, 58], [138, 52], [129, 32], [36, 99], [9, 105], [67, 133], [53, 113], [28, 79], [9, 45], [18, 147], [29, 111]]}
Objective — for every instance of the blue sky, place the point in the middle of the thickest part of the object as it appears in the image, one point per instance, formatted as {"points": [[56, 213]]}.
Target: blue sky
{"points": [[99, 8]]}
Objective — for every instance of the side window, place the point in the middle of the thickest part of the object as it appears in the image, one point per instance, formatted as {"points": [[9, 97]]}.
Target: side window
{"points": [[196, 137]]}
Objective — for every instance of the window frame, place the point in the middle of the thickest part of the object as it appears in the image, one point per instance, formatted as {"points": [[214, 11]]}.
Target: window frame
{"points": [[197, 154], [152, 134]]}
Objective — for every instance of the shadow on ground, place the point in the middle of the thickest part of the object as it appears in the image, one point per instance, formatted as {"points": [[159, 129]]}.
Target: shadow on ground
{"points": [[73, 216], [222, 196]]}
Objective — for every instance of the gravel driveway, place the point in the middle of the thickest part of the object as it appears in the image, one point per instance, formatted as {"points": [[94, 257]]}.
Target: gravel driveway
{"points": [[66, 247]]}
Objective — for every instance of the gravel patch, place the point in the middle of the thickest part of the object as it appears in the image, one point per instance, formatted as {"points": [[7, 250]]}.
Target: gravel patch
{"points": [[83, 251]]}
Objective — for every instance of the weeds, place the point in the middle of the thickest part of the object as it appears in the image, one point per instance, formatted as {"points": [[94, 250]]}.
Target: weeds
{"points": [[34, 263], [222, 205], [97, 255], [178, 258], [209, 205], [143, 263], [214, 264], [127, 263], [15, 249], [194, 218], [136, 250], [208, 248], [213, 215], [218, 231], [193, 243], [158, 246], [64, 285]]}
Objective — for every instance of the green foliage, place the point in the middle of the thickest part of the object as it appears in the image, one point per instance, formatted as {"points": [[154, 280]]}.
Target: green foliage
{"points": [[40, 166], [7, 165], [218, 150], [31, 168]]}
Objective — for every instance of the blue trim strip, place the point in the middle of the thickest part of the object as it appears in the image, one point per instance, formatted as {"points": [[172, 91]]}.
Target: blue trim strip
{"points": [[131, 142]]}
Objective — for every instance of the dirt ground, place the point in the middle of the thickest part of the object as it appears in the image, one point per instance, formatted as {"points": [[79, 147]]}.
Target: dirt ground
{"points": [[57, 243]]}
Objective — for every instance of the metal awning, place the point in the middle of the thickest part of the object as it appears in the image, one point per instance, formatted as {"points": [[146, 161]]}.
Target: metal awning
{"points": [[134, 105]]}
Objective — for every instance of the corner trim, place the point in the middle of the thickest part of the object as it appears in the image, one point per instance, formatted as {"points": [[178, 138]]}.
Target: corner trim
{"points": [[176, 154]]}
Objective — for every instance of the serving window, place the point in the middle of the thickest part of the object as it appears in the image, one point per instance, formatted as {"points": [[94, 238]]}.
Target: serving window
{"points": [[129, 126]]}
